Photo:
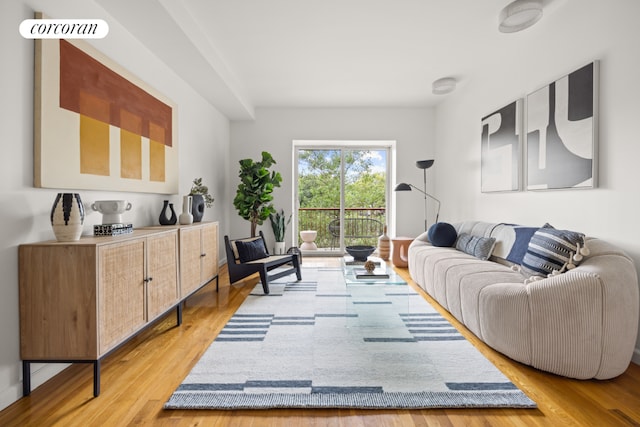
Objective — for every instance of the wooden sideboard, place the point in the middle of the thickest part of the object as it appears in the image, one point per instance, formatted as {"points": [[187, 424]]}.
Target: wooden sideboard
{"points": [[80, 300]]}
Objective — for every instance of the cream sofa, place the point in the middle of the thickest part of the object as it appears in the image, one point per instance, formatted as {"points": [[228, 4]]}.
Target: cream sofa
{"points": [[582, 323]]}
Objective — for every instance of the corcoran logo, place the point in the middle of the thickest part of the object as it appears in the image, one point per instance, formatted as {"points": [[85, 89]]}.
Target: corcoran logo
{"points": [[64, 28]]}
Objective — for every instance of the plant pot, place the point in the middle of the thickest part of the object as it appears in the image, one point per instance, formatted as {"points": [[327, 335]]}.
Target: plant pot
{"points": [[279, 248], [197, 207]]}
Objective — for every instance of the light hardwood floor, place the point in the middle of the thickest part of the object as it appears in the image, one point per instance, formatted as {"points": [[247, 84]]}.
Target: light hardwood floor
{"points": [[139, 377]]}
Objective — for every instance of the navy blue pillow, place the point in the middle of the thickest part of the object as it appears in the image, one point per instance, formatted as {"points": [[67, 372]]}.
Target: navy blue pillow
{"points": [[442, 234], [521, 244], [251, 250]]}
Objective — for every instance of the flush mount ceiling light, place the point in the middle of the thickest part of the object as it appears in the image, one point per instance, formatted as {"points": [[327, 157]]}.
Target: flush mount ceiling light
{"points": [[520, 14], [443, 86]]}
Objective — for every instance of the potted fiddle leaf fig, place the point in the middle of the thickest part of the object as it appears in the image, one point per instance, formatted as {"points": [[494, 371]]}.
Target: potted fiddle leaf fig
{"points": [[253, 196], [279, 226]]}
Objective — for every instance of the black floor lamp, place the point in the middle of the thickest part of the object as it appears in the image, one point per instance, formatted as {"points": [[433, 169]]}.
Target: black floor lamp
{"points": [[424, 165]]}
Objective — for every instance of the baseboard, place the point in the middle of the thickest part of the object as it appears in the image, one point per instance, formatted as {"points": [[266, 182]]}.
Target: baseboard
{"points": [[636, 356], [41, 374], [44, 372], [10, 395]]}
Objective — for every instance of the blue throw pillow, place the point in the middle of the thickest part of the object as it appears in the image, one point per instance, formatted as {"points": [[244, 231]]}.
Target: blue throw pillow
{"points": [[479, 247], [551, 249], [251, 250], [442, 234], [521, 244]]}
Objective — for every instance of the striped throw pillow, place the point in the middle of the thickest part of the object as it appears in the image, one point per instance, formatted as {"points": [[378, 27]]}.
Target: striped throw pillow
{"points": [[549, 250]]}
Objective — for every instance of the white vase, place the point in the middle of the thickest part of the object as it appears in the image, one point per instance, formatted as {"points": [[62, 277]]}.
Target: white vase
{"points": [[279, 248], [186, 217]]}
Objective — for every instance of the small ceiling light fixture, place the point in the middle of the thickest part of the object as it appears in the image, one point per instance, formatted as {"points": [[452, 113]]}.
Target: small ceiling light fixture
{"points": [[443, 86], [520, 14]]}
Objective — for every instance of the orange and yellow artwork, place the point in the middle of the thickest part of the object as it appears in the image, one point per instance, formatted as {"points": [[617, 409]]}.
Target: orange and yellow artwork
{"points": [[98, 127]]}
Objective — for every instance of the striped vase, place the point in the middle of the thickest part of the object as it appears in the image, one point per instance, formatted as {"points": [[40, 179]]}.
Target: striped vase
{"points": [[67, 217], [384, 245]]}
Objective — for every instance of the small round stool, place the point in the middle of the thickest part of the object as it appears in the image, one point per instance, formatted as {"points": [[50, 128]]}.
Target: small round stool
{"points": [[308, 237], [399, 257]]}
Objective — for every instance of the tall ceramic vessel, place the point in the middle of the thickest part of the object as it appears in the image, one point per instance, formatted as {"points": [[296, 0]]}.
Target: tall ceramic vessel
{"points": [[186, 217], [198, 205], [384, 245], [67, 217]]}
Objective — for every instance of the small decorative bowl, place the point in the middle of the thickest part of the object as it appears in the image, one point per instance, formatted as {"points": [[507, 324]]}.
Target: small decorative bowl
{"points": [[360, 252]]}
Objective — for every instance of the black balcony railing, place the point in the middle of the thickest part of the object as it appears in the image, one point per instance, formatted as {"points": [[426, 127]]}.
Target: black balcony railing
{"points": [[362, 226]]}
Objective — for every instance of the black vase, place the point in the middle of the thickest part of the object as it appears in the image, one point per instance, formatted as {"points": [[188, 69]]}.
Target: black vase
{"points": [[197, 207], [164, 220]]}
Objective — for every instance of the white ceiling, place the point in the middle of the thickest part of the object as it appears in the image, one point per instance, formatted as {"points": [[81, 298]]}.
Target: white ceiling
{"points": [[243, 54]]}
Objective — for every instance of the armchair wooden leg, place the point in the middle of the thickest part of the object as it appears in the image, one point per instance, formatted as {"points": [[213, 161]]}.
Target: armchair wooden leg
{"points": [[296, 264], [265, 280]]}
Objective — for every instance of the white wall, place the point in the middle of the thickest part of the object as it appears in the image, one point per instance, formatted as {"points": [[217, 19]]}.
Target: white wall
{"points": [[572, 35], [275, 129], [203, 142]]}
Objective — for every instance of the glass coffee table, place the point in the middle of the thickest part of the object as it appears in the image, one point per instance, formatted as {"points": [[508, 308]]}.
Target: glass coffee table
{"points": [[355, 274]]}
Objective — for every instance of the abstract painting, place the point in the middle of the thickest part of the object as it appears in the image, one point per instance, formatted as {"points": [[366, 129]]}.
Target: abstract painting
{"points": [[501, 150], [98, 127], [562, 132]]}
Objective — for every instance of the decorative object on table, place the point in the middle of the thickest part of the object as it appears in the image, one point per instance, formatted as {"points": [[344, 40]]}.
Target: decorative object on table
{"points": [[442, 234], [360, 252], [369, 266], [350, 261], [384, 244], [519, 15], [81, 98], [167, 220], [200, 199], [500, 147], [562, 132], [112, 229], [279, 226], [253, 196], [419, 358], [111, 210], [361, 273], [424, 165], [186, 217], [308, 240], [67, 217]]}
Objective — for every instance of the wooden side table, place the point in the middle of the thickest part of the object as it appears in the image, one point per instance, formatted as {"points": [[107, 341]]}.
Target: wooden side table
{"points": [[399, 257]]}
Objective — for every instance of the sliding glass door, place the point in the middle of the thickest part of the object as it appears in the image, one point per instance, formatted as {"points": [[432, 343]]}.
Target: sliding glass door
{"points": [[342, 192]]}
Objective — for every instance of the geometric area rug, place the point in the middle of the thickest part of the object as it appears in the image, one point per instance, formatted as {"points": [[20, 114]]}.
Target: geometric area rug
{"points": [[322, 343]]}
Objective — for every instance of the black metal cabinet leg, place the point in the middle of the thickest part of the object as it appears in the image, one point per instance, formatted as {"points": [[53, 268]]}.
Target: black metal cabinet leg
{"points": [[96, 378], [179, 314], [26, 378]]}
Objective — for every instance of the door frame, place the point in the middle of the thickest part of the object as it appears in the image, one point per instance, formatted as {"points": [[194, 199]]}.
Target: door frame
{"points": [[390, 214]]}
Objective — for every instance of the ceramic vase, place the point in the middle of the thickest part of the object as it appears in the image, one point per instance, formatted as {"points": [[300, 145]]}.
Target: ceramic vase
{"points": [[164, 219], [67, 217], [384, 245], [186, 217], [198, 206]]}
